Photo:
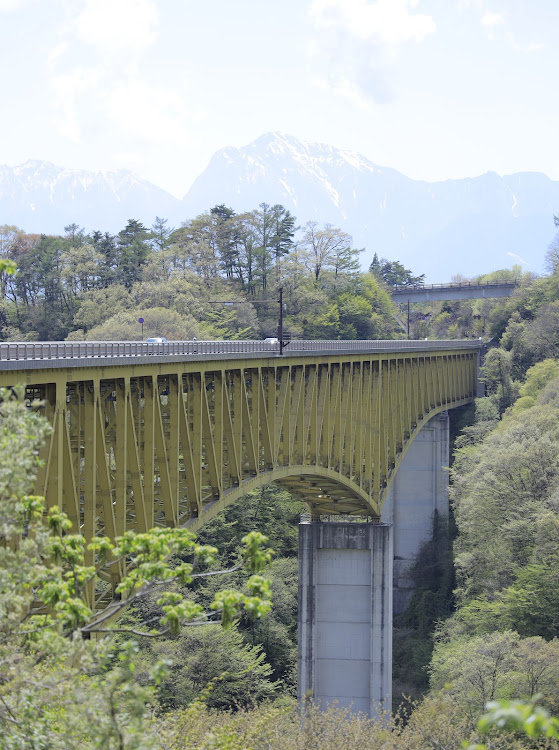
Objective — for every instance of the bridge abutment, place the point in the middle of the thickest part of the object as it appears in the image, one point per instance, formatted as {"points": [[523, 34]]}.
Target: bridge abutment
{"points": [[345, 615], [418, 492]]}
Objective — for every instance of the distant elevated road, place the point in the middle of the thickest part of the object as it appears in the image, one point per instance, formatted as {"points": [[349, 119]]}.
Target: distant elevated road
{"points": [[455, 290]]}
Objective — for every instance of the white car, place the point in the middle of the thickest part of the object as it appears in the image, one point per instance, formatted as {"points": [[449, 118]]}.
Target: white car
{"points": [[271, 340], [156, 340]]}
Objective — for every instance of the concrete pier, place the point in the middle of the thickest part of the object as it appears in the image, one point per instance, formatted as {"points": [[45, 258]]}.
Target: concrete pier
{"points": [[345, 615], [418, 491]]}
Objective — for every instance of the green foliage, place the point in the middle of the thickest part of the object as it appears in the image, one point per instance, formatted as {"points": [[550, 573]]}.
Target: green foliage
{"points": [[504, 496], [502, 641], [269, 509], [433, 578], [435, 724], [60, 687], [212, 662], [276, 727], [539, 376], [159, 321], [97, 286], [473, 671], [277, 513], [393, 273], [517, 716], [133, 250], [497, 372]]}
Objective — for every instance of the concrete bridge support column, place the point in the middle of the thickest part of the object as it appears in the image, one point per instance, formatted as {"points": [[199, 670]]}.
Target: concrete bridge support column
{"points": [[345, 615], [418, 491]]}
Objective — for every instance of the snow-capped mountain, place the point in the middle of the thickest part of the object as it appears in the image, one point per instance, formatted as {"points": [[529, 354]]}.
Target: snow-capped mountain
{"points": [[40, 197], [467, 226]]}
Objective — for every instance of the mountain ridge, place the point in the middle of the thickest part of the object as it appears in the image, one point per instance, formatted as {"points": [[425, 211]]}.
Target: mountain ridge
{"points": [[469, 225]]}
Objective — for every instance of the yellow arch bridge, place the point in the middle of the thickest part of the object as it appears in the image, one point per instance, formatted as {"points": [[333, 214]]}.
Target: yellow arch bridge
{"points": [[171, 433]]}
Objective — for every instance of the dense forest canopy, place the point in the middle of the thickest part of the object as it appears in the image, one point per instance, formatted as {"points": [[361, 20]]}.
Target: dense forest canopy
{"points": [[97, 286]]}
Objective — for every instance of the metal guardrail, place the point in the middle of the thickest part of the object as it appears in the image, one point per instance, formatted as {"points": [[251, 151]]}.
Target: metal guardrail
{"points": [[454, 285], [97, 351]]}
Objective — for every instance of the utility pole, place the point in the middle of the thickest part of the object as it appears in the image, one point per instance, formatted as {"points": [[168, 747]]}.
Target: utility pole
{"points": [[281, 342], [408, 320], [280, 324]]}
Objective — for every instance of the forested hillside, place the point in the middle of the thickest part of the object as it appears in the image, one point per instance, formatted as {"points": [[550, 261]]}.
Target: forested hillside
{"points": [[484, 623], [177, 280]]}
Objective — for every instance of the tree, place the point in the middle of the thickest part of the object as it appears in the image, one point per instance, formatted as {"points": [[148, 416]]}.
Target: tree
{"points": [[543, 332], [133, 250], [227, 238], [98, 305], [324, 247], [264, 224], [48, 307], [203, 656], [537, 377], [552, 255], [248, 251], [517, 717], [499, 491], [282, 236], [475, 671], [159, 321], [75, 234], [81, 269], [499, 386], [105, 244], [197, 244], [160, 234], [393, 273]]}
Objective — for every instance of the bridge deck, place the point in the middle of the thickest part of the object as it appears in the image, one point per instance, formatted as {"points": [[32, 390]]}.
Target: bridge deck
{"points": [[34, 355]]}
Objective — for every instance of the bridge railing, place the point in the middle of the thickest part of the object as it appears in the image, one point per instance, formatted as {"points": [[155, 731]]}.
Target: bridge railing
{"points": [[454, 285], [68, 350]]}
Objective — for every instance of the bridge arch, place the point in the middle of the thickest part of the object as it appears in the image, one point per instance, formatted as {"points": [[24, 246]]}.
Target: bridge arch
{"points": [[325, 491]]}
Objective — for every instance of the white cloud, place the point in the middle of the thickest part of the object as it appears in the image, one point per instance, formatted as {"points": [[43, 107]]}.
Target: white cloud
{"points": [[148, 112], [68, 88], [343, 87], [519, 258], [11, 4], [94, 92], [492, 19], [529, 47], [384, 21], [127, 160], [117, 25], [58, 52], [357, 40]]}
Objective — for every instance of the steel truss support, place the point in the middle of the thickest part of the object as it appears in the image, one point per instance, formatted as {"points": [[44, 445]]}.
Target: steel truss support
{"points": [[135, 446]]}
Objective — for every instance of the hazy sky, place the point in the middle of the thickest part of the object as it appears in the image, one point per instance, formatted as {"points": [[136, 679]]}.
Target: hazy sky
{"points": [[433, 88]]}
